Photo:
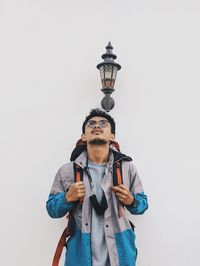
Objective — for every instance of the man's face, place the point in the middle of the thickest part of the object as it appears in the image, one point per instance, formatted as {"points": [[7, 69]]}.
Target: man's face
{"points": [[98, 129]]}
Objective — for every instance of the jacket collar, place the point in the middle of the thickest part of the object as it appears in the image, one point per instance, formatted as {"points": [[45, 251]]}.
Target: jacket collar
{"points": [[114, 156], [118, 156]]}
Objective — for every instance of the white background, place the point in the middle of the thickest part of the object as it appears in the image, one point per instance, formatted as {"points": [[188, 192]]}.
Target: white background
{"points": [[48, 80]]}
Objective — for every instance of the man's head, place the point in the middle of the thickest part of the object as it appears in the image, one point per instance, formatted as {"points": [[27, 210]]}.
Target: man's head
{"points": [[98, 128]]}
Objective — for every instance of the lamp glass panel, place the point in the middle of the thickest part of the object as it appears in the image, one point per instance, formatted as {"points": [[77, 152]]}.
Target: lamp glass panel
{"points": [[108, 74], [115, 69], [108, 71], [102, 72]]}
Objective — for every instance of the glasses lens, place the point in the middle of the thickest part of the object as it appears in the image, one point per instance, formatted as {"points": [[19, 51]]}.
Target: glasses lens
{"points": [[91, 123], [103, 123]]}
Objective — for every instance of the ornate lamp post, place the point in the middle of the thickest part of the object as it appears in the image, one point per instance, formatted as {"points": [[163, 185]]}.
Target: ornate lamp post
{"points": [[108, 72]]}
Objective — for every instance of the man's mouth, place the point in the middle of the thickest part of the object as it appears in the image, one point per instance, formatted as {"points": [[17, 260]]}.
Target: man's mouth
{"points": [[97, 131]]}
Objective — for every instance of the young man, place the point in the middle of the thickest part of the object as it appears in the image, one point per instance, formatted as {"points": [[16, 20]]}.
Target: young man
{"points": [[103, 235]]}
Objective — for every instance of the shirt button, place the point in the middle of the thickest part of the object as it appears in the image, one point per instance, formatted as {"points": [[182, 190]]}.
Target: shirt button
{"points": [[86, 224], [107, 225]]}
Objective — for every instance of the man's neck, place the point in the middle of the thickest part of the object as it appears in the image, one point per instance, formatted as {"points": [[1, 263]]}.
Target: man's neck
{"points": [[98, 153]]}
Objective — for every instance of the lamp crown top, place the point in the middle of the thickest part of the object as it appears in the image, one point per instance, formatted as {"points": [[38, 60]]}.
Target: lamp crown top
{"points": [[109, 52], [109, 46], [109, 57]]}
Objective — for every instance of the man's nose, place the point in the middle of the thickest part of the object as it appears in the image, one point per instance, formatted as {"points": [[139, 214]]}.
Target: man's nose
{"points": [[97, 125]]}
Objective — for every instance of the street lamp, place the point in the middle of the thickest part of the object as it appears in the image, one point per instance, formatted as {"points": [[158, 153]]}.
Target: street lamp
{"points": [[108, 72]]}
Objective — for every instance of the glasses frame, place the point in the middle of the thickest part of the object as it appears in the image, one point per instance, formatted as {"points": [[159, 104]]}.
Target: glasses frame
{"points": [[100, 123]]}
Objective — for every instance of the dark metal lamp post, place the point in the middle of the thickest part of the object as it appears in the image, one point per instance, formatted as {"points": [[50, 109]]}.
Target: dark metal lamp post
{"points": [[108, 72]]}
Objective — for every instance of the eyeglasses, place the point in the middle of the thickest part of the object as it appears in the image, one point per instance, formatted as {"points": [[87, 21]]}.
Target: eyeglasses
{"points": [[101, 123]]}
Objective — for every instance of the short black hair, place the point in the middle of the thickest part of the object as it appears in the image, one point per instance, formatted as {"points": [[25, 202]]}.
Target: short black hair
{"points": [[99, 112]]}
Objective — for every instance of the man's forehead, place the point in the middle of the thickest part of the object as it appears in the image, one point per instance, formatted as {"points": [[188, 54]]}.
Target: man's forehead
{"points": [[98, 118]]}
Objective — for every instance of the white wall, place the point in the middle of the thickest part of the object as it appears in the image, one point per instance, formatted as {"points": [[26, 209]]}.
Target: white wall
{"points": [[48, 79]]}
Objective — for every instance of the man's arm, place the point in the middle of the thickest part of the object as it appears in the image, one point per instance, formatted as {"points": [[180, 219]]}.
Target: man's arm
{"points": [[57, 205], [140, 203], [133, 198]]}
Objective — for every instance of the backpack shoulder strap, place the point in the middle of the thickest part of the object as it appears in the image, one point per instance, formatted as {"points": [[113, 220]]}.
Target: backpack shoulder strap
{"points": [[118, 180], [117, 173], [78, 173], [78, 176]]}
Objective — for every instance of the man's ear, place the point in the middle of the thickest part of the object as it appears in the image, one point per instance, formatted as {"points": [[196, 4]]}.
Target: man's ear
{"points": [[83, 138], [112, 137]]}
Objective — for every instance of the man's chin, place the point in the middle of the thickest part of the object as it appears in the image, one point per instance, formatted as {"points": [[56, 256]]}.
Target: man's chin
{"points": [[97, 141]]}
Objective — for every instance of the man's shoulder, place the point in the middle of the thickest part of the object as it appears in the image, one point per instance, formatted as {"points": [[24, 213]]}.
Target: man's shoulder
{"points": [[129, 165], [66, 169]]}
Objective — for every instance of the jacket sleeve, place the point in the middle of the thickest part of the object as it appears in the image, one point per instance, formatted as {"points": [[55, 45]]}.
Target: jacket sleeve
{"points": [[140, 203], [57, 206]]}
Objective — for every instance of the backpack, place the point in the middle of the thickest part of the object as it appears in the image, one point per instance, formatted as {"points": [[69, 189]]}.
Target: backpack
{"points": [[78, 176]]}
